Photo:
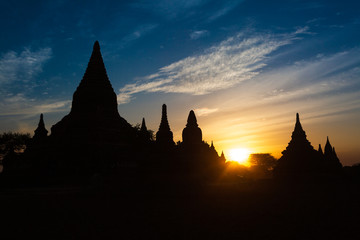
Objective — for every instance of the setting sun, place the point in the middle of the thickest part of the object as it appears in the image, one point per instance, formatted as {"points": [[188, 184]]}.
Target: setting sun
{"points": [[239, 155]]}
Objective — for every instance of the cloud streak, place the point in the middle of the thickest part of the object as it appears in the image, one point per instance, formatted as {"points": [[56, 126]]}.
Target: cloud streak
{"points": [[222, 66], [22, 66]]}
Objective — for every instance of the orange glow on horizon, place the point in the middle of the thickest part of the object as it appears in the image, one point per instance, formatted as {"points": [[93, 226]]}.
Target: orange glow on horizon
{"points": [[239, 155]]}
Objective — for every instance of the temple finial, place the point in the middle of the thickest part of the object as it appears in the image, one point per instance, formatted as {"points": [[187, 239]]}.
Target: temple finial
{"points": [[297, 117], [96, 45], [143, 125], [191, 121]]}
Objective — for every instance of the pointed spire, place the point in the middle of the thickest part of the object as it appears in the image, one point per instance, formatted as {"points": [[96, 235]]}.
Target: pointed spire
{"points": [[191, 121], [298, 133], [212, 144], [143, 126], [95, 70], [164, 135], [222, 157], [320, 150], [192, 133], [334, 152], [164, 124], [40, 131], [328, 148]]}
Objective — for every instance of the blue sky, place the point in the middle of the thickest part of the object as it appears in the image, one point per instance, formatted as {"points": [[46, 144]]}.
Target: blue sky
{"points": [[245, 67]]}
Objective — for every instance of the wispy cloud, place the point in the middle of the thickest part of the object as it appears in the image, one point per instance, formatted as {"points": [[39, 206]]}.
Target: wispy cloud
{"points": [[237, 59], [139, 32], [20, 104], [229, 5], [17, 69], [198, 34], [24, 65], [205, 111]]}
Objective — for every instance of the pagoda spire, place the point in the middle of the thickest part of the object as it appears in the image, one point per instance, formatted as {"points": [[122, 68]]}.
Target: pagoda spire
{"points": [[191, 121], [328, 148], [320, 150], [143, 125], [164, 135], [192, 133], [40, 131], [298, 130], [144, 133]]}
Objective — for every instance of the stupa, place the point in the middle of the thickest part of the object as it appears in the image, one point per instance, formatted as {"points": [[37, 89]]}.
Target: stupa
{"points": [[40, 131], [331, 159], [164, 136], [144, 135], [192, 133]]}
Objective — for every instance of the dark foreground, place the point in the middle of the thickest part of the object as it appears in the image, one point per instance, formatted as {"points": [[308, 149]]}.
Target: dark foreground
{"points": [[258, 210]]}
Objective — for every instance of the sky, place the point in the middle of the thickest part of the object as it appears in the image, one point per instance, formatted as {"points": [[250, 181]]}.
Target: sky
{"points": [[245, 67]]}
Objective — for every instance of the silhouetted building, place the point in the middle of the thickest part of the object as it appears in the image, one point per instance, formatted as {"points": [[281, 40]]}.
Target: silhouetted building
{"points": [[192, 133], [222, 157], [332, 162], [164, 136], [320, 151], [144, 134], [299, 159], [94, 116], [40, 131], [93, 137]]}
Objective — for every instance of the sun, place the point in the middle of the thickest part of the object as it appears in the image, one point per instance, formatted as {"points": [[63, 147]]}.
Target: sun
{"points": [[239, 155]]}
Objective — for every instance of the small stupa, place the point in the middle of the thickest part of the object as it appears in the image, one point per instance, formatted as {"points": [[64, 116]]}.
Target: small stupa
{"points": [[164, 135], [40, 131], [331, 159], [192, 133], [144, 135]]}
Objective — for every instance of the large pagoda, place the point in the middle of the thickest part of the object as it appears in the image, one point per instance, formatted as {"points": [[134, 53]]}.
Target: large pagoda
{"points": [[94, 117]]}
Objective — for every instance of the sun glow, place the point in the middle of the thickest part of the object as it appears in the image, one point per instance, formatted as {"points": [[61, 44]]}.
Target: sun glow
{"points": [[240, 155]]}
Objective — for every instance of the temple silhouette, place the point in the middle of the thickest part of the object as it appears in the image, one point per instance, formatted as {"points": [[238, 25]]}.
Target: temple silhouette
{"points": [[93, 139], [301, 161]]}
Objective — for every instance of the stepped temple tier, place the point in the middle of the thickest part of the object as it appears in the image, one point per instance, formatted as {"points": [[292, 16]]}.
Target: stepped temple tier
{"points": [[301, 161]]}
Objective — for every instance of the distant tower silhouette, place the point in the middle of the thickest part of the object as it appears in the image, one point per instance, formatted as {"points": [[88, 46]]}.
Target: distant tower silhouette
{"points": [[320, 150], [144, 134], [94, 116], [222, 157], [331, 159], [40, 131], [299, 159], [192, 133], [212, 145], [164, 135]]}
